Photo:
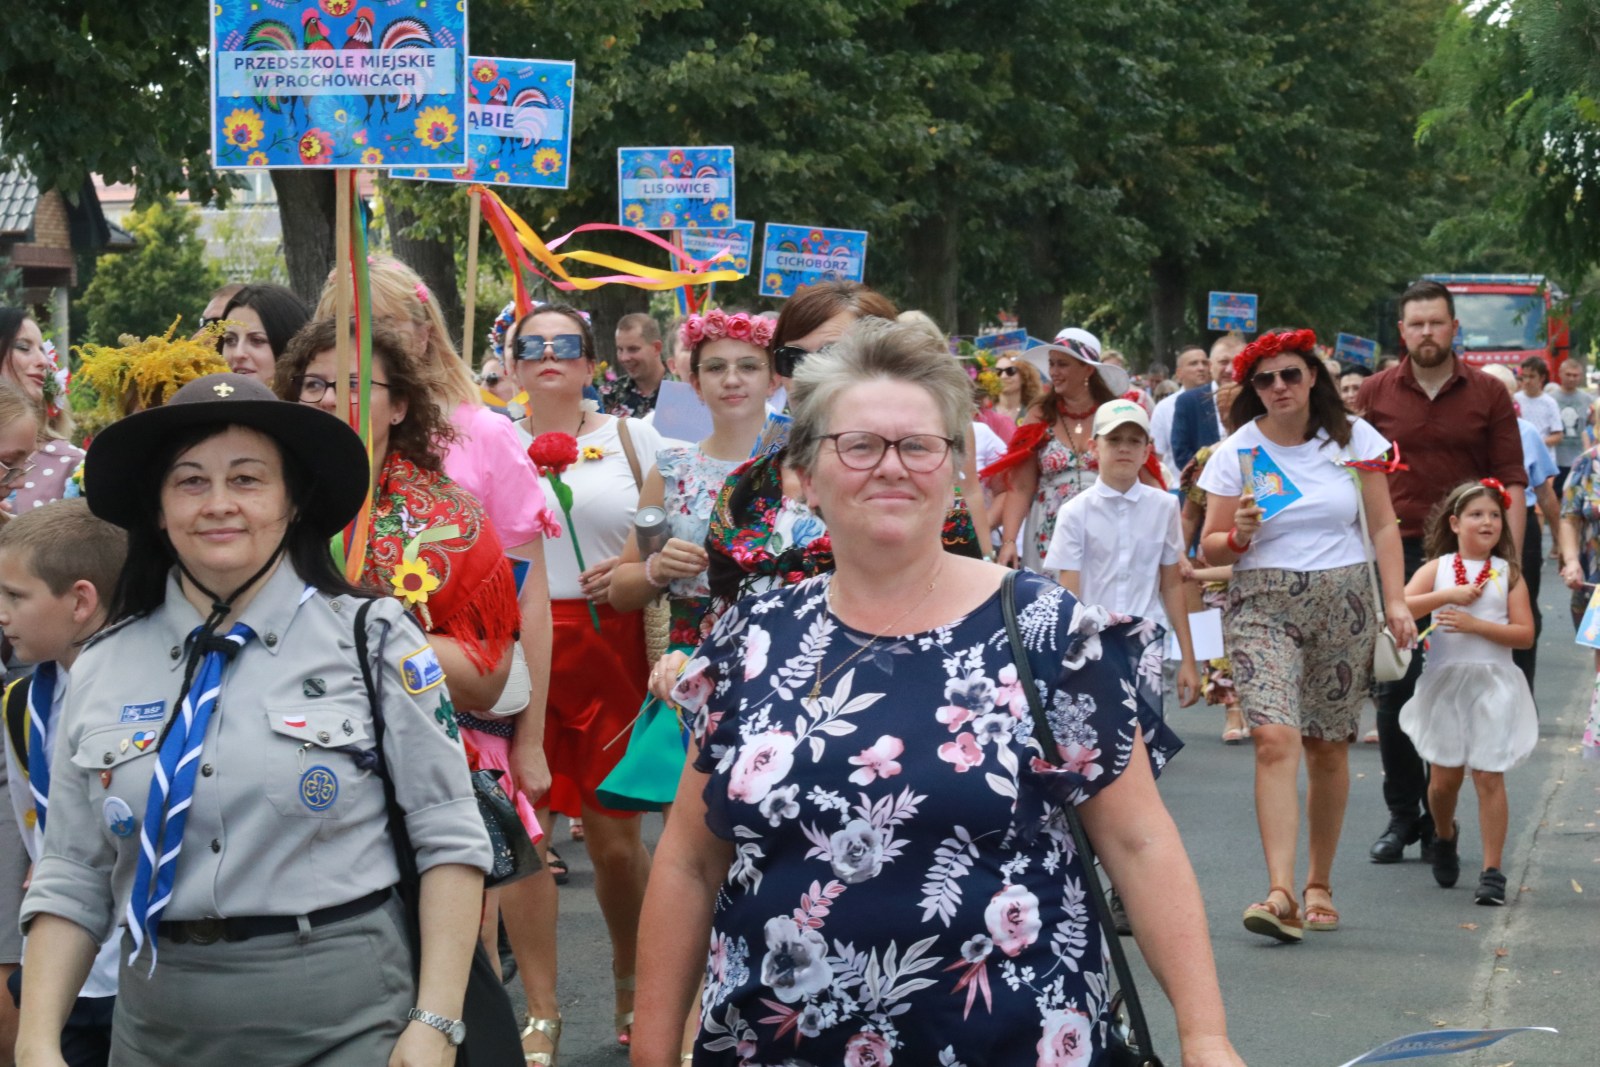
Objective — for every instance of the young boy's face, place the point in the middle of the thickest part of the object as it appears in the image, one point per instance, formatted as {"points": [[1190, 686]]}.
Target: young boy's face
{"points": [[1122, 451], [40, 624]]}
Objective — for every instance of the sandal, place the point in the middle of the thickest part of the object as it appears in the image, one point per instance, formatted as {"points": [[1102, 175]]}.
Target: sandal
{"points": [[624, 1019], [1268, 919], [550, 1030], [1234, 735], [557, 865], [1320, 917], [1236, 731]]}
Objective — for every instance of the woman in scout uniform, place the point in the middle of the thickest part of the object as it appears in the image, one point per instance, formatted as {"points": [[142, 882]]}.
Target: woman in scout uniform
{"points": [[217, 784]]}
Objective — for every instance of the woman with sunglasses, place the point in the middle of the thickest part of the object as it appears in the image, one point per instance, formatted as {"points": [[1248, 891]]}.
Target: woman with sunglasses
{"points": [[1019, 388], [1049, 460], [1300, 623], [597, 668]]}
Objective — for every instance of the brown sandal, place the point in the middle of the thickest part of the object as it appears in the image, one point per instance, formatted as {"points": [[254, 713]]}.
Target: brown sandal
{"points": [[1321, 917], [1269, 920]]}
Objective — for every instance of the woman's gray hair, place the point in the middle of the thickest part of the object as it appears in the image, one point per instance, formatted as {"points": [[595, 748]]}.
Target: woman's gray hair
{"points": [[877, 350]]}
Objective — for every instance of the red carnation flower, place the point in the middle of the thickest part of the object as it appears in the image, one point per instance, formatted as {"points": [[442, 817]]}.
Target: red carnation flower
{"points": [[553, 453]]}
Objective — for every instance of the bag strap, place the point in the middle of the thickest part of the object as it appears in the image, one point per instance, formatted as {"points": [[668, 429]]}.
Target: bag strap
{"points": [[405, 858], [1080, 836], [16, 713], [626, 440], [1371, 551]]}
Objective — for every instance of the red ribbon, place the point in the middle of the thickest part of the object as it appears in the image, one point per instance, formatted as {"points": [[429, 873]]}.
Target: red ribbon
{"points": [[1499, 487]]}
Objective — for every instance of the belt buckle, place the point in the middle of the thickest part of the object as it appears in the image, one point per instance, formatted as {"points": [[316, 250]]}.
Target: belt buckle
{"points": [[205, 931]]}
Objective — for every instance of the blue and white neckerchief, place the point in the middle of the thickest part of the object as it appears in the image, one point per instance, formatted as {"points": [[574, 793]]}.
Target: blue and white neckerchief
{"points": [[41, 698]]}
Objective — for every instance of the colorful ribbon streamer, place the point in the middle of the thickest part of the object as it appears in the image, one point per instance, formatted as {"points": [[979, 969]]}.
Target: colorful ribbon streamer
{"points": [[1382, 465], [353, 542], [528, 252]]}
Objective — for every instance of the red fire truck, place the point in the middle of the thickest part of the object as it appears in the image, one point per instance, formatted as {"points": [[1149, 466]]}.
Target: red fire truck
{"points": [[1505, 318]]}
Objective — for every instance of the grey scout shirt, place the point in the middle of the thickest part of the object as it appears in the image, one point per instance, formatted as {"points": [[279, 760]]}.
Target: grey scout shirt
{"points": [[283, 821]]}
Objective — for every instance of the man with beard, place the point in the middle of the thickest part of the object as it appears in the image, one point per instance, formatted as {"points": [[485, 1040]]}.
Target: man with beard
{"points": [[1450, 423]]}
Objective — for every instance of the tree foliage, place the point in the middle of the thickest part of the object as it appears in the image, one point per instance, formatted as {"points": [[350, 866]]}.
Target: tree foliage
{"points": [[142, 291]]}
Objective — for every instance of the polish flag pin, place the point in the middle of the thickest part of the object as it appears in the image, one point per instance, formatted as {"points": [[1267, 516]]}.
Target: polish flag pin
{"points": [[295, 722]]}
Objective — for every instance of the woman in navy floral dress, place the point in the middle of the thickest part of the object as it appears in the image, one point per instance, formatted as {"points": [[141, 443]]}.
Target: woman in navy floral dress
{"points": [[882, 872]]}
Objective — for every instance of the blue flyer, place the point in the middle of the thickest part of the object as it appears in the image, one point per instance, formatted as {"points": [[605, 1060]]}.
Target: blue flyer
{"points": [[519, 124], [1273, 489], [738, 240], [1589, 625], [1361, 351], [1000, 340], [1231, 311], [337, 83], [1441, 1043], [792, 256], [675, 188]]}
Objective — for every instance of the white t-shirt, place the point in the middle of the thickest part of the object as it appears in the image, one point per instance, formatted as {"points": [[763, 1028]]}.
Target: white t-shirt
{"points": [[1319, 531], [1542, 411], [604, 498], [1161, 427], [987, 444], [1118, 542]]}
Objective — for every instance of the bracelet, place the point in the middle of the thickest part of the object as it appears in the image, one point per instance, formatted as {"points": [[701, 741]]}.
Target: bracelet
{"points": [[1234, 546], [650, 572]]}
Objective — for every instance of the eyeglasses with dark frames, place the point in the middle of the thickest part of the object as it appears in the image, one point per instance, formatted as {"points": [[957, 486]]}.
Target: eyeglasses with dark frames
{"points": [[862, 450], [311, 389]]}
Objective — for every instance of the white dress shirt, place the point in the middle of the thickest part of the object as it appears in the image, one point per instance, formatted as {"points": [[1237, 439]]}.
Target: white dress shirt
{"points": [[1161, 427], [1118, 543]]}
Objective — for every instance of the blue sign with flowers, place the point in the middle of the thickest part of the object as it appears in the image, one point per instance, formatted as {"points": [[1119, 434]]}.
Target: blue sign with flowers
{"points": [[519, 124], [792, 256], [733, 245], [675, 188], [338, 83]]}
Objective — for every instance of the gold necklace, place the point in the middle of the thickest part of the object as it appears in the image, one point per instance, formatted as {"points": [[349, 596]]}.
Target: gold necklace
{"points": [[816, 686]]}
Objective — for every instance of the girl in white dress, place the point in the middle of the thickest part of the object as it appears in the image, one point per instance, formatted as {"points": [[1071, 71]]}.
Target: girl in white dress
{"points": [[1472, 707]]}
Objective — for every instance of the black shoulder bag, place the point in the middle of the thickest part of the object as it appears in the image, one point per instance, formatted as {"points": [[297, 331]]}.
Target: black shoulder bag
{"points": [[492, 1039], [1122, 1049]]}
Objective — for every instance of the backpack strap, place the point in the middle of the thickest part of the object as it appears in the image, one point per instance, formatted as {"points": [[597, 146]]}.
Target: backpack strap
{"points": [[628, 450], [16, 715]]}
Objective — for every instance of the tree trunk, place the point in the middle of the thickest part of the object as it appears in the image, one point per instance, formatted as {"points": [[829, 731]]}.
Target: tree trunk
{"points": [[1168, 282], [933, 248], [434, 259], [306, 201], [1039, 303]]}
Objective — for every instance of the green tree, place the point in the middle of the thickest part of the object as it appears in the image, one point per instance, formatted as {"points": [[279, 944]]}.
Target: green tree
{"points": [[142, 291]]}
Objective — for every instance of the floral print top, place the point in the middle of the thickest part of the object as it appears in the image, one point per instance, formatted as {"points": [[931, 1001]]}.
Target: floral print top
{"points": [[619, 396], [904, 887], [691, 481], [1063, 474], [1581, 500]]}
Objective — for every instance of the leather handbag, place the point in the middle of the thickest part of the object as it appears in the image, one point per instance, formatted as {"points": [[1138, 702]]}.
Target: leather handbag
{"points": [[492, 1039], [514, 854], [1127, 1044], [1389, 661]]}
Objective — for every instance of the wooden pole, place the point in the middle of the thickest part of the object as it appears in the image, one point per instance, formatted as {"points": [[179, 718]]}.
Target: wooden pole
{"points": [[469, 347], [343, 285]]}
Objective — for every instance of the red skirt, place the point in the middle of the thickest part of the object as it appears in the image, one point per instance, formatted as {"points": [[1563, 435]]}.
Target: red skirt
{"points": [[597, 684]]}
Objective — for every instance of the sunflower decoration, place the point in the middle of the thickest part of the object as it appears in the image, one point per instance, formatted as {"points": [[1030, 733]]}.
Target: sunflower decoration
{"points": [[114, 381], [413, 581]]}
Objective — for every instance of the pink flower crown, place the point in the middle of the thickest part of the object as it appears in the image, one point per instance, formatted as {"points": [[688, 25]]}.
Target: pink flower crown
{"points": [[717, 324]]}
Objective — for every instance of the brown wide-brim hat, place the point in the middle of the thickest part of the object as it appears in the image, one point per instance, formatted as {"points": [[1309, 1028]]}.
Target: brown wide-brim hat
{"points": [[116, 475]]}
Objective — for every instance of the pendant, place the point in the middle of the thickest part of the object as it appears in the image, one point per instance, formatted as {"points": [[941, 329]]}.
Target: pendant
{"points": [[105, 779], [1078, 429], [816, 687]]}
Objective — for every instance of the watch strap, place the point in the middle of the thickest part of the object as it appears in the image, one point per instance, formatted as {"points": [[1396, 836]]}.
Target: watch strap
{"points": [[452, 1029]]}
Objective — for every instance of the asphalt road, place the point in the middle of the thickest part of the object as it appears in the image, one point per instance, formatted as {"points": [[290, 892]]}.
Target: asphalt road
{"points": [[1409, 956]]}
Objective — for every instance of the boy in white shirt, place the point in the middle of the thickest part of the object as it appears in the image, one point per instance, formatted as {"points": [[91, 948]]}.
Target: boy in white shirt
{"points": [[1119, 543]]}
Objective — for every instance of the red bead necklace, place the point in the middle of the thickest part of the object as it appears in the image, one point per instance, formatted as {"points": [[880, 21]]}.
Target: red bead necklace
{"points": [[1461, 572]]}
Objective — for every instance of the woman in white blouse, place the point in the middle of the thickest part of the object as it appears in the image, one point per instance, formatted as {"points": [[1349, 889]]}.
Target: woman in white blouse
{"points": [[598, 670]]}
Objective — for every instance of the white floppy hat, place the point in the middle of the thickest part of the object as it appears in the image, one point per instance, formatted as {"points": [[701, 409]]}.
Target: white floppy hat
{"points": [[1083, 346]]}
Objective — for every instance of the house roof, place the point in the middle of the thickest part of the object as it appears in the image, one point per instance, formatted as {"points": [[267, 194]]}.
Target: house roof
{"points": [[19, 196]]}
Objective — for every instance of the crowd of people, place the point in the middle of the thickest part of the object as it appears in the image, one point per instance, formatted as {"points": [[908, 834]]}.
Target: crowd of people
{"points": [[295, 712]]}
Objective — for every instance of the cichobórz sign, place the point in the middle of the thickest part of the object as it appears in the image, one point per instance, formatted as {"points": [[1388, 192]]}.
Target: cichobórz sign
{"points": [[793, 256]]}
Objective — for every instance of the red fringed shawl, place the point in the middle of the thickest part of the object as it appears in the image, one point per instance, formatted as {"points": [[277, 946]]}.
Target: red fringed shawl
{"points": [[1029, 439], [475, 602]]}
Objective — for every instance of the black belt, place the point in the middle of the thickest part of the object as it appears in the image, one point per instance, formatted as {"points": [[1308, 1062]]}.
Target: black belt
{"points": [[244, 927]]}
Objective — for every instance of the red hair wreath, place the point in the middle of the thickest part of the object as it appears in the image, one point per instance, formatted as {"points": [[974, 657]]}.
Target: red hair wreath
{"points": [[1268, 345]]}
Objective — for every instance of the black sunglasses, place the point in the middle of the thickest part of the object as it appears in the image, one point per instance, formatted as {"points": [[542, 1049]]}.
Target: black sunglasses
{"points": [[785, 358], [491, 380], [1264, 380], [1007, 371]]}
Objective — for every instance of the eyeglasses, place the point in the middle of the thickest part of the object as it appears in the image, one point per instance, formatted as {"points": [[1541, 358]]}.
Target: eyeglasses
{"points": [[747, 368], [491, 380], [311, 389], [1007, 371], [1264, 380], [13, 475], [861, 450], [566, 346]]}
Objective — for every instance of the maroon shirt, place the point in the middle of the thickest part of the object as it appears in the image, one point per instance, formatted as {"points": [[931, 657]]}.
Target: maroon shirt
{"points": [[1467, 432]]}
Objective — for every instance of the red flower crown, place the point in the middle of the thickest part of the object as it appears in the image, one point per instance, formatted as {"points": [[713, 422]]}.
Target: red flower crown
{"points": [[1268, 345]]}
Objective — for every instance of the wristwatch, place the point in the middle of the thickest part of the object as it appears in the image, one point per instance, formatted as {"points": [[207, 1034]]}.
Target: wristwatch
{"points": [[454, 1030]]}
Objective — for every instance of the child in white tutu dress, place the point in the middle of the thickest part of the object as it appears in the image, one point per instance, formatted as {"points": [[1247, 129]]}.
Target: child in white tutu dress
{"points": [[1472, 707]]}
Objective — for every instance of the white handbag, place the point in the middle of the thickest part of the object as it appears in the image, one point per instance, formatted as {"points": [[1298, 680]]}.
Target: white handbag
{"points": [[1389, 661]]}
